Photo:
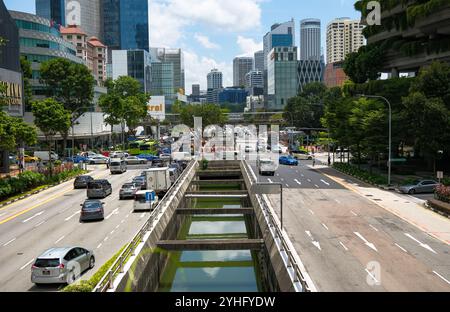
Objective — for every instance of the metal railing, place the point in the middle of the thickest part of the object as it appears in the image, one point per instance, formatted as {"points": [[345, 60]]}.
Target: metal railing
{"points": [[278, 234], [107, 282]]}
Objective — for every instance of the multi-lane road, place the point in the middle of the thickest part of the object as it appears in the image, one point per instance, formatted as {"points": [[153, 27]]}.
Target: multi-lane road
{"points": [[347, 242], [51, 219]]}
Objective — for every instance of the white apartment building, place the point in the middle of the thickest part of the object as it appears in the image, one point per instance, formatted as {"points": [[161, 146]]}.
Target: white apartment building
{"points": [[344, 36]]}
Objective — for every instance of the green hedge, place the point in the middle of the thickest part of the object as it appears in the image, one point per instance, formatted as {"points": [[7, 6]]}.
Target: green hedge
{"points": [[89, 285], [29, 180], [361, 174]]}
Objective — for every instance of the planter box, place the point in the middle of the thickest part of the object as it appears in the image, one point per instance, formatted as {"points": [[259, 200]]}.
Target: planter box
{"points": [[440, 206]]}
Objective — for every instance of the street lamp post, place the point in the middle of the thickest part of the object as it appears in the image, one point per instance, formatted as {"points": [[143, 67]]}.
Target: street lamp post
{"points": [[390, 131]]}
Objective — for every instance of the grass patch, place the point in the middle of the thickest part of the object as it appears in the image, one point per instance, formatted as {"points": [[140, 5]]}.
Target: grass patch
{"points": [[89, 285]]}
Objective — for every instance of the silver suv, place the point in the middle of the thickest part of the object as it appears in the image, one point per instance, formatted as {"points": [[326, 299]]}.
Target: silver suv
{"points": [[61, 265]]}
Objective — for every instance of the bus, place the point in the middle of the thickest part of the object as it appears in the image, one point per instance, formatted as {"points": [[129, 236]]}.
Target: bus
{"points": [[145, 147]]}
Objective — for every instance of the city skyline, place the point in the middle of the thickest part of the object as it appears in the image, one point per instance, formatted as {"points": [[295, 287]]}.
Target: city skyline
{"points": [[209, 40]]}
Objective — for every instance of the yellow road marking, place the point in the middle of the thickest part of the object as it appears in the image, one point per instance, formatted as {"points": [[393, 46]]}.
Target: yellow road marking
{"points": [[38, 205]]}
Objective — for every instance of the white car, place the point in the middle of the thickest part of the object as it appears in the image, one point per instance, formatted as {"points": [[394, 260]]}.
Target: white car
{"points": [[98, 160], [133, 160], [119, 154]]}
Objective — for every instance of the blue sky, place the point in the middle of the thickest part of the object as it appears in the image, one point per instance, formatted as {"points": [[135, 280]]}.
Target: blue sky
{"points": [[212, 32]]}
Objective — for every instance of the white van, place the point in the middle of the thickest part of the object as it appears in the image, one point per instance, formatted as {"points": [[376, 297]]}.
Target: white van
{"points": [[118, 165], [267, 166], [43, 155]]}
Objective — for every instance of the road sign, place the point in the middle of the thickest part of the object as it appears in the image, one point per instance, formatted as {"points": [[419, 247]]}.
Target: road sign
{"points": [[260, 189], [440, 175], [149, 196]]}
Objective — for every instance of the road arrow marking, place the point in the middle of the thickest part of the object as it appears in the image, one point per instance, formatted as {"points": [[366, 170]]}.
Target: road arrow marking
{"points": [[427, 247], [370, 245], [115, 211], [31, 218], [326, 183], [315, 243]]}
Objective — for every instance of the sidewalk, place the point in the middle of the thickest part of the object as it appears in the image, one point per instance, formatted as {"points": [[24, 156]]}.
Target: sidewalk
{"points": [[405, 207]]}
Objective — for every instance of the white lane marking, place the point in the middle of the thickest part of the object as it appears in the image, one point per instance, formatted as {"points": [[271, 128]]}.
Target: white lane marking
{"points": [[296, 171], [27, 264], [324, 182], [31, 218], [118, 226], [302, 175], [315, 243], [287, 185], [112, 232], [99, 245], [298, 182], [127, 216], [270, 181], [60, 239], [278, 174], [309, 180], [370, 245], [427, 247], [312, 212], [7, 243], [106, 238], [122, 222], [374, 228], [337, 201], [441, 277], [373, 277], [342, 244], [39, 224], [2, 214], [142, 215], [70, 217], [115, 211], [403, 249], [282, 179], [354, 213], [316, 185], [325, 226]]}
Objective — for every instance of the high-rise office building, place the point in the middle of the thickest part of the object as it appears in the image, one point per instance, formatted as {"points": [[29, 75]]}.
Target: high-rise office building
{"points": [[84, 13], [162, 80], [133, 63], [196, 89], [259, 61], [282, 77], [125, 24], [215, 79], [54, 10], [280, 35], [254, 83], [310, 71], [310, 39], [175, 57], [241, 67], [343, 37]]}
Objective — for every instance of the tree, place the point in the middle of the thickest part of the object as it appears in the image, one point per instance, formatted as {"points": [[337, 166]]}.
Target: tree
{"points": [[27, 73], [365, 64], [211, 114], [51, 117], [71, 84]]}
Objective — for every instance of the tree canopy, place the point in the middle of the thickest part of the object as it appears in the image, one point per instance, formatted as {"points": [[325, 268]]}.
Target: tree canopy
{"points": [[51, 117]]}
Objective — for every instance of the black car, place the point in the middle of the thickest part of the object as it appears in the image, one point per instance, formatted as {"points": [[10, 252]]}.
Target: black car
{"points": [[158, 163], [177, 166], [81, 182], [92, 210], [99, 189]]}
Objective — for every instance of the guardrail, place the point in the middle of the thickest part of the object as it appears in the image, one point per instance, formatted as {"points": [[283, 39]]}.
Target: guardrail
{"points": [[298, 276], [107, 282]]}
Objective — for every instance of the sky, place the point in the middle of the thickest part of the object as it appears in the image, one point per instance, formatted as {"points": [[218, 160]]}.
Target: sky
{"points": [[212, 32]]}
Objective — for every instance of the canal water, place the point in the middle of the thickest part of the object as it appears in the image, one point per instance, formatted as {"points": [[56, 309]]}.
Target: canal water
{"points": [[213, 271]]}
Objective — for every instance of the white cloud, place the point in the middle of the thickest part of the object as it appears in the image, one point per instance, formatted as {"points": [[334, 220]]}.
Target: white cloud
{"points": [[205, 42], [249, 46], [197, 67]]}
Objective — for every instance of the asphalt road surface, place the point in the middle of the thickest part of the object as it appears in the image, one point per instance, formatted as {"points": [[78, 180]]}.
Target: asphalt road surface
{"points": [[51, 219], [349, 243]]}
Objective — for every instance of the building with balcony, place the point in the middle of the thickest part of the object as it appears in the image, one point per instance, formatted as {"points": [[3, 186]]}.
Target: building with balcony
{"points": [[344, 36]]}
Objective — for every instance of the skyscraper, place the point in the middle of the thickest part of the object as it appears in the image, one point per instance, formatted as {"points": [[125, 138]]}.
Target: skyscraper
{"points": [[54, 10], [343, 37], [174, 57], [259, 60], [125, 24], [215, 79], [280, 35], [254, 83], [241, 67], [310, 39], [133, 63]]}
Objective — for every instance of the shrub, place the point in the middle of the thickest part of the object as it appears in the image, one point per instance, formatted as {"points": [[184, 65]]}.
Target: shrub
{"points": [[360, 174], [443, 193]]}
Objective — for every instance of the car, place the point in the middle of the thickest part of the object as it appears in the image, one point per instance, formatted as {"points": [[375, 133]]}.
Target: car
{"points": [[128, 190], [158, 163], [288, 160], [119, 154], [177, 166], [133, 160], [61, 265], [301, 155], [98, 160], [140, 181], [419, 186], [77, 159], [92, 210], [99, 189], [81, 182], [148, 157], [165, 157], [30, 159], [275, 149]]}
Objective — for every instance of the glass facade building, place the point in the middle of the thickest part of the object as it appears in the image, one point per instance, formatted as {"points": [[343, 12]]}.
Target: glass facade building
{"points": [[53, 10], [133, 63], [125, 24], [233, 96], [162, 79]]}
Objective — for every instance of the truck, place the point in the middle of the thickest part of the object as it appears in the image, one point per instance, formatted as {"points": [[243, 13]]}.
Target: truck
{"points": [[158, 180], [43, 155], [267, 166]]}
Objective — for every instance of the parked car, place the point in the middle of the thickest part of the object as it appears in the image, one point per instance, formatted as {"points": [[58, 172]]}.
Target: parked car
{"points": [[133, 160], [99, 189], [140, 182], [98, 160], [302, 155], [148, 157], [288, 160], [77, 159], [30, 159], [119, 154], [43, 155], [128, 190], [92, 210], [82, 182], [419, 186], [61, 265]]}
